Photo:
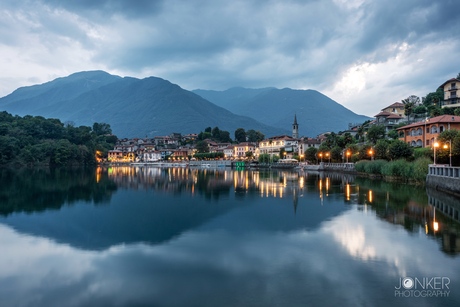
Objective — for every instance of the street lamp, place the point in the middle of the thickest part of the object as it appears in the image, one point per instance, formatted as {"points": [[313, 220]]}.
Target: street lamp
{"points": [[436, 144], [321, 156], [348, 154], [371, 153], [450, 151], [328, 156]]}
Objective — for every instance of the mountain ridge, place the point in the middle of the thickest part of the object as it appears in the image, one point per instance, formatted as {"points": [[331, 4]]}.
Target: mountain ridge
{"points": [[133, 107], [315, 112]]}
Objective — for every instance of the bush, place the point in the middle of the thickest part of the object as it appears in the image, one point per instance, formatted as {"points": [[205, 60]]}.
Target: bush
{"points": [[423, 153], [421, 168], [375, 167], [399, 168], [360, 166]]}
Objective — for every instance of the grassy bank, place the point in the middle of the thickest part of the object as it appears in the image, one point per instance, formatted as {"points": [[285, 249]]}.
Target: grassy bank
{"points": [[403, 170]]}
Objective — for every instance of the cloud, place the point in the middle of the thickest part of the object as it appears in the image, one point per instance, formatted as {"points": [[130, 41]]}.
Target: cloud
{"points": [[322, 45]]}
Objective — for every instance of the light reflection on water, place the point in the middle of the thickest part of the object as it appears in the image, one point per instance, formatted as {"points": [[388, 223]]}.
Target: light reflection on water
{"points": [[190, 237]]}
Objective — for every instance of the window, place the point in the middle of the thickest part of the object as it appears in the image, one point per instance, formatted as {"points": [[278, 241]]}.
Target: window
{"points": [[427, 142], [434, 129], [441, 129]]}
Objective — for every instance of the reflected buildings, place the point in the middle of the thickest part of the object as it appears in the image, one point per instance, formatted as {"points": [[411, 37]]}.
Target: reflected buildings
{"points": [[407, 206]]}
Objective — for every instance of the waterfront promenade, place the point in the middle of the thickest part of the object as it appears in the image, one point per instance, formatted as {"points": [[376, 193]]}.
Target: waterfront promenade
{"points": [[444, 178]]}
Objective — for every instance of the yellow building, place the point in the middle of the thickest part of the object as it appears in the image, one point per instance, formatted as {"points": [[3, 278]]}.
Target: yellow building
{"points": [[451, 90]]}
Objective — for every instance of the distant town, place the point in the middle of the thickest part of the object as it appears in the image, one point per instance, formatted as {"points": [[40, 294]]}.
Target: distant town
{"points": [[415, 123]]}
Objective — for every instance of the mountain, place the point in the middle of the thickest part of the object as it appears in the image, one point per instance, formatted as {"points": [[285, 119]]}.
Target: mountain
{"points": [[315, 112], [133, 107]]}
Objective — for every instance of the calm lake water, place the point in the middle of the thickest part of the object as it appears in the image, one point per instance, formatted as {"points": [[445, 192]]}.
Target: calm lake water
{"points": [[131, 236]]}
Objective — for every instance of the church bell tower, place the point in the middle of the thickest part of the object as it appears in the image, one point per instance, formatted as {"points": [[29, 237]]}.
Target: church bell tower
{"points": [[295, 128]]}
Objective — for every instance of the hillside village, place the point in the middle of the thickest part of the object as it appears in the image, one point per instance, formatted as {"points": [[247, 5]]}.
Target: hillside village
{"points": [[416, 123]]}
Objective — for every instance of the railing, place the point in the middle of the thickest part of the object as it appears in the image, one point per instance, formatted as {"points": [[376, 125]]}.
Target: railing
{"points": [[444, 171], [324, 166]]}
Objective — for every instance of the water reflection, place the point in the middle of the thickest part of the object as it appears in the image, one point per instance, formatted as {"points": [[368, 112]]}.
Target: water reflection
{"points": [[192, 237]]}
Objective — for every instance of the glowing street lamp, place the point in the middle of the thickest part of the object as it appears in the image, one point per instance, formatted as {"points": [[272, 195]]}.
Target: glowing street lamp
{"points": [[321, 156], [450, 151], [328, 156], [371, 153], [348, 154], [435, 145]]}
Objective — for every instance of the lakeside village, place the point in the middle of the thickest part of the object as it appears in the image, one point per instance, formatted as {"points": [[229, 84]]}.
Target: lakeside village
{"points": [[415, 124]]}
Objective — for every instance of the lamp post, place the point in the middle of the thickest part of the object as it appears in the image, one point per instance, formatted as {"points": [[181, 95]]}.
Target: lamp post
{"points": [[436, 144], [450, 151], [371, 153], [321, 156], [348, 154], [328, 156]]}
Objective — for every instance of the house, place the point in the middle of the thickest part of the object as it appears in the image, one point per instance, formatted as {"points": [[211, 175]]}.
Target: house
{"points": [[390, 116], [240, 150], [151, 156], [424, 133], [451, 90], [306, 143], [273, 145], [115, 155], [228, 152], [396, 108]]}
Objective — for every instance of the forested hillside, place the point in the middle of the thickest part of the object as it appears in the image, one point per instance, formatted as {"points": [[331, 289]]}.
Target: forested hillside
{"points": [[35, 140]]}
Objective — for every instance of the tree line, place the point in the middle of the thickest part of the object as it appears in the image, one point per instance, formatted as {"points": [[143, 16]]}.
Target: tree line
{"points": [[223, 136], [35, 140]]}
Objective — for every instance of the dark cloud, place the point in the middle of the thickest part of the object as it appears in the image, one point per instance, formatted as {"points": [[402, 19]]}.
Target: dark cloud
{"points": [[220, 44], [106, 8]]}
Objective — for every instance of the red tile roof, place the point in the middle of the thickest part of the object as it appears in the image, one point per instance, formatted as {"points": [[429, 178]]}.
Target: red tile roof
{"points": [[435, 120], [395, 105]]}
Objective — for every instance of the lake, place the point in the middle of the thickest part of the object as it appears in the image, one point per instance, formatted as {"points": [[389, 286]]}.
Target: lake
{"points": [[140, 236]]}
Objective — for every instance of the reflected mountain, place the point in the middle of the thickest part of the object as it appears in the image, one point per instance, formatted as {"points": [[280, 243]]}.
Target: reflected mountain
{"points": [[156, 205]]}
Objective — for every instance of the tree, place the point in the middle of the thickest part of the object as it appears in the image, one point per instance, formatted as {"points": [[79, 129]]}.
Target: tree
{"points": [[264, 158], [225, 136], [375, 132], [433, 98], [399, 149], [254, 136], [381, 149], [393, 134], [102, 129], [409, 104], [345, 139], [202, 146], [215, 133], [336, 154], [240, 135], [310, 154]]}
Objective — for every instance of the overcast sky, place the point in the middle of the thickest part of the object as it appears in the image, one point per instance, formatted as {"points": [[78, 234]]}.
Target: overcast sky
{"points": [[364, 54]]}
